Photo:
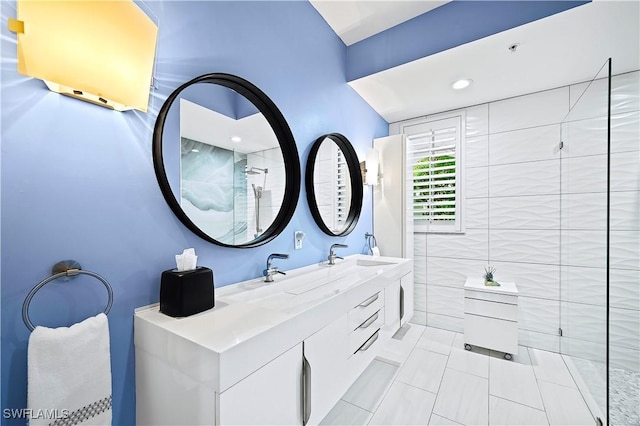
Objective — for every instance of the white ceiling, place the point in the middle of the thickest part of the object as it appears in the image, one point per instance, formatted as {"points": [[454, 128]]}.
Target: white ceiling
{"points": [[355, 20], [565, 48]]}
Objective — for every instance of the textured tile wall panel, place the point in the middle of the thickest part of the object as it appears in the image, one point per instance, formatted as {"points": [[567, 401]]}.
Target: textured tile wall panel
{"points": [[584, 174], [532, 280], [525, 212], [477, 120], [449, 272], [625, 132], [624, 288], [624, 328], [476, 151], [584, 322], [541, 315], [625, 171], [584, 285], [535, 178], [471, 245], [625, 90], [624, 250], [537, 109], [584, 248], [539, 246], [445, 322], [477, 182], [625, 358], [420, 297], [445, 301], [477, 213], [625, 210], [531, 144], [589, 137], [583, 349], [533, 339], [584, 211], [419, 317]]}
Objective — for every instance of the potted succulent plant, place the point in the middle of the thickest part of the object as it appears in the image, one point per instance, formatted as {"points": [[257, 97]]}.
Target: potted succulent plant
{"points": [[488, 276]]}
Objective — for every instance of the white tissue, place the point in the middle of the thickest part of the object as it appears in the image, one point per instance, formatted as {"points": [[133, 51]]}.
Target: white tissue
{"points": [[375, 251], [187, 260]]}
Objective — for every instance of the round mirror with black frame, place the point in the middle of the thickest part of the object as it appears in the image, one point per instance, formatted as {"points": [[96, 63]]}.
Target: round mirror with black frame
{"points": [[226, 161], [334, 184]]}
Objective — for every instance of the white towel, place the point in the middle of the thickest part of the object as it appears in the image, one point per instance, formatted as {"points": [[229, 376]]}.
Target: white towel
{"points": [[69, 374]]}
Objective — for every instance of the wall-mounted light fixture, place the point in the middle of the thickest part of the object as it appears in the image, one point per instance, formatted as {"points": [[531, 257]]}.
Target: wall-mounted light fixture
{"points": [[97, 51], [370, 168]]}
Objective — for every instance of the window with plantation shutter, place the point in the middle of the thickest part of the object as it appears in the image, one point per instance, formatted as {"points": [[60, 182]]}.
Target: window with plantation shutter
{"points": [[343, 195], [434, 157]]}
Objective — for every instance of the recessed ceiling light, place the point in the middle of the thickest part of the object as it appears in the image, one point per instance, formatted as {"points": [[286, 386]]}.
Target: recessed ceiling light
{"points": [[236, 139], [461, 84]]}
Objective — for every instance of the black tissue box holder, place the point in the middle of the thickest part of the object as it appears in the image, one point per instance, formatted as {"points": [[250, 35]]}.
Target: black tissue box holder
{"points": [[187, 292]]}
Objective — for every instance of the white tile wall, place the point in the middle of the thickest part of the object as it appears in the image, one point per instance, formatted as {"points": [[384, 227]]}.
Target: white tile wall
{"points": [[537, 109], [535, 178], [538, 215], [531, 144], [625, 90]]}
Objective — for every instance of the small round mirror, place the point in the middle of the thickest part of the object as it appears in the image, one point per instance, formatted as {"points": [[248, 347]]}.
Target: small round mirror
{"points": [[226, 161], [334, 184]]}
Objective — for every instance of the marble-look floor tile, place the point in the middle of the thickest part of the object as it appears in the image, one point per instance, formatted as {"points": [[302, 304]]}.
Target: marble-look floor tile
{"points": [[423, 369], [463, 398], [469, 362], [515, 382], [522, 357], [436, 340], [564, 405], [398, 348], [404, 405], [550, 367], [508, 413], [437, 420], [369, 389], [344, 413]]}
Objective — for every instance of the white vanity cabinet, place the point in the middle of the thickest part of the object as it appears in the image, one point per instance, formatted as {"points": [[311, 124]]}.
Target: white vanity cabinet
{"points": [[491, 316], [269, 396], [267, 354]]}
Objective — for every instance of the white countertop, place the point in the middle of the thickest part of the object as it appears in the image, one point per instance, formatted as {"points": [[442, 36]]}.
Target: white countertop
{"points": [[263, 319], [478, 285]]}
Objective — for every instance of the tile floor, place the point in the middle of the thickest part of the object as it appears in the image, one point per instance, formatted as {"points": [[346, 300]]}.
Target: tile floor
{"points": [[427, 378]]}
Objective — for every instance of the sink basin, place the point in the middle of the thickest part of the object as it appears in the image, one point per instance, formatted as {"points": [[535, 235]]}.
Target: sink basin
{"points": [[371, 262]]}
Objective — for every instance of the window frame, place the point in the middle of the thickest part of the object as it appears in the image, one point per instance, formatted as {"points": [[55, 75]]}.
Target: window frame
{"points": [[420, 126]]}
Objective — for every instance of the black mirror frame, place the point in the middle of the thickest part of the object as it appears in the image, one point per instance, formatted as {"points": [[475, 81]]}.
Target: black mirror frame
{"points": [[354, 176], [283, 133]]}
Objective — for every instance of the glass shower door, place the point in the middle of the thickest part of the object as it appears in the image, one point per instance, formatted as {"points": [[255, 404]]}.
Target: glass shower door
{"points": [[584, 239]]}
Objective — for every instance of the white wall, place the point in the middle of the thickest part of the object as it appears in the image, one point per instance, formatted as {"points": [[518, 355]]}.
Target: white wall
{"points": [[538, 215]]}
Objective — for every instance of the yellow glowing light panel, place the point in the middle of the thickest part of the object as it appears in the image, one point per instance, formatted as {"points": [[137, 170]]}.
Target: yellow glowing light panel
{"points": [[98, 51]]}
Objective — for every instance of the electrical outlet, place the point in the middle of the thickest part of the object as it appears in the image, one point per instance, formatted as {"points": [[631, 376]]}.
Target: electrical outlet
{"points": [[298, 237]]}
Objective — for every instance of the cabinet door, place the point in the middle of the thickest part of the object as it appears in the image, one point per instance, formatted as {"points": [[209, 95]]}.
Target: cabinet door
{"points": [[270, 396], [392, 308], [327, 379]]}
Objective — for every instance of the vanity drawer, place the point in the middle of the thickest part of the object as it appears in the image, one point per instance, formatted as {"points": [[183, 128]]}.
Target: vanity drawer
{"points": [[360, 335], [364, 310], [494, 297], [491, 309]]}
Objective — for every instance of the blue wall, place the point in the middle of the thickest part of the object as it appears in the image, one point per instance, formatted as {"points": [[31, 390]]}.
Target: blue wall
{"points": [[77, 180]]}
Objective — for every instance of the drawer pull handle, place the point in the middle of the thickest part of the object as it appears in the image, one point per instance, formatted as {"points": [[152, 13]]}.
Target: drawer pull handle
{"points": [[306, 390], [370, 320], [369, 300], [370, 341]]}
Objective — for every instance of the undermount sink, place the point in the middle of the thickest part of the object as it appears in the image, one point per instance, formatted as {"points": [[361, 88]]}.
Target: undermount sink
{"points": [[303, 286], [371, 262]]}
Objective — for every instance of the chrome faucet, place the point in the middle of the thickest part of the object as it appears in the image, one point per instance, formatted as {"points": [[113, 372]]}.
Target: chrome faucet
{"points": [[332, 256], [272, 270]]}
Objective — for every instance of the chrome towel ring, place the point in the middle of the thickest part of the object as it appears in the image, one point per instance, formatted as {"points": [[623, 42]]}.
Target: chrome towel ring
{"points": [[69, 269]]}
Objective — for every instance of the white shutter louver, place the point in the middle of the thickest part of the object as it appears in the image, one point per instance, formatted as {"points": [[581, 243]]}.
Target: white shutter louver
{"points": [[434, 157]]}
